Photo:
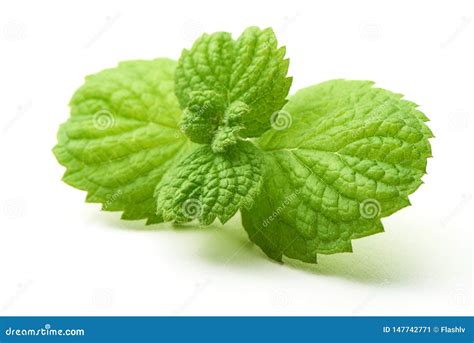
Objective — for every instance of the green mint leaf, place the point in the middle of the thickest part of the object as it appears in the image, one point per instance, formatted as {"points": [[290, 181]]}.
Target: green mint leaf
{"points": [[202, 116], [309, 174], [250, 70], [206, 184], [227, 135], [206, 120], [341, 156], [122, 136]]}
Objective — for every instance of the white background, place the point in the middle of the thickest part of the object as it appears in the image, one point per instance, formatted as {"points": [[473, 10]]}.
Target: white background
{"points": [[61, 256]]}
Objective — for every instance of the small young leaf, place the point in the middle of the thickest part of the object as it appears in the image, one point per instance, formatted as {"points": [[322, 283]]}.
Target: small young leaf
{"points": [[351, 156], [206, 185], [122, 136], [251, 70], [202, 116]]}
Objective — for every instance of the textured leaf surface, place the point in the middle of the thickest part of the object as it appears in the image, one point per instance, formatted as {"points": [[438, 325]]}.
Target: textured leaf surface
{"points": [[251, 69], [206, 185], [122, 136], [352, 154]]}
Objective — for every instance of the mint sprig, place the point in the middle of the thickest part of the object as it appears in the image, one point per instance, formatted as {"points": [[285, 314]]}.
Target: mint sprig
{"points": [[215, 133]]}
